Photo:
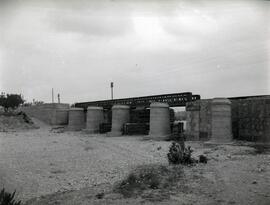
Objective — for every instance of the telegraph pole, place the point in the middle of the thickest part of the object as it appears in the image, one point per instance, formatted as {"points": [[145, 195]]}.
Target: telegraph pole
{"points": [[52, 96], [112, 90], [58, 97]]}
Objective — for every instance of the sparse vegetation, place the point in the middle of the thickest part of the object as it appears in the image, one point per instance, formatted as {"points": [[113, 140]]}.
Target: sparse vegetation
{"points": [[203, 159], [26, 118], [14, 121], [7, 198], [179, 154], [149, 178]]}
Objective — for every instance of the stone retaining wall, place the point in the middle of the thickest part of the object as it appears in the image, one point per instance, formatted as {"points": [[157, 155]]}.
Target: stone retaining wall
{"points": [[250, 119]]}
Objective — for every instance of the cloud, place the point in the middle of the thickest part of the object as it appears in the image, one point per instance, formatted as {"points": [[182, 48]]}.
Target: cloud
{"points": [[145, 48], [88, 24]]}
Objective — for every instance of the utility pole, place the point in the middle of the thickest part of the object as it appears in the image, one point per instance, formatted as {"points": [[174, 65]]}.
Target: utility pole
{"points": [[58, 97], [52, 96], [112, 90]]}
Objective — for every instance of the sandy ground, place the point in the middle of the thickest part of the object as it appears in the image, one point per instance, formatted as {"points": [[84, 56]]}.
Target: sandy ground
{"points": [[41, 162]]}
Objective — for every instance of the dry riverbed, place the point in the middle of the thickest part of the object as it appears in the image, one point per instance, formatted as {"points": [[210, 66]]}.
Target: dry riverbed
{"points": [[50, 167]]}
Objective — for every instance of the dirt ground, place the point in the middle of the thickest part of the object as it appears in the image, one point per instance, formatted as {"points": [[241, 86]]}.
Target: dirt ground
{"points": [[48, 166], [12, 122]]}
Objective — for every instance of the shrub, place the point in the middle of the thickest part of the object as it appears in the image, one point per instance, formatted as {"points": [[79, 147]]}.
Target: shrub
{"points": [[26, 118], [149, 177], [7, 198], [203, 159], [178, 154]]}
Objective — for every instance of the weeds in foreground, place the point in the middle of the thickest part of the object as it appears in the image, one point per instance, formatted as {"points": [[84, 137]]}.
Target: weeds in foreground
{"points": [[7, 198], [149, 178]]}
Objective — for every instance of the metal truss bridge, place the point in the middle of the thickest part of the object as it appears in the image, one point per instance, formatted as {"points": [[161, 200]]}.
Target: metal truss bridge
{"points": [[174, 100]]}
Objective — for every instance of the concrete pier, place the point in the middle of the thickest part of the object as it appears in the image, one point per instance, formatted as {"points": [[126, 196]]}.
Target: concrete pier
{"points": [[120, 116], [221, 120], [94, 118], [159, 120], [76, 119]]}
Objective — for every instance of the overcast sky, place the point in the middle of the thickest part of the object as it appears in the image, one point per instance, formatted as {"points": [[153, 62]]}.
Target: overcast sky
{"points": [[211, 48]]}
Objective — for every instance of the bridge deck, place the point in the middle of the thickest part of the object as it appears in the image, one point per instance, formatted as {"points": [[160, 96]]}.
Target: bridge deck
{"points": [[174, 100]]}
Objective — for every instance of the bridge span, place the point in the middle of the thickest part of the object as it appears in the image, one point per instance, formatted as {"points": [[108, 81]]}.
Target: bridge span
{"points": [[174, 100]]}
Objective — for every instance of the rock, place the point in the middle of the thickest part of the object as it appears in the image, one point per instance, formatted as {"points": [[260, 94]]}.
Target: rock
{"points": [[254, 182], [259, 169], [203, 159], [100, 195]]}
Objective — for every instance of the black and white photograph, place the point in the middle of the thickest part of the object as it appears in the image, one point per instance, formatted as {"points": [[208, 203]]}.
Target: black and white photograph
{"points": [[144, 102]]}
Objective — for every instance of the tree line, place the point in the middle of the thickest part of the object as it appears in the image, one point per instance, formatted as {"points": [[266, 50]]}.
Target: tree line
{"points": [[10, 100]]}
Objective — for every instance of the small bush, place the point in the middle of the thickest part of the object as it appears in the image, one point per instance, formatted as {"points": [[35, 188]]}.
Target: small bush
{"points": [[7, 198], [178, 154], [203, 159], [148, 177]]}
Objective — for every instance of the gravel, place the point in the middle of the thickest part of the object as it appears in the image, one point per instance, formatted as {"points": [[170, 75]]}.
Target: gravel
{"points": [[39, 162]]}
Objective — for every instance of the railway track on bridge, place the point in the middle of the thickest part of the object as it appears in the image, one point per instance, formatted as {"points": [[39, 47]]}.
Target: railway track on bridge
{"points": [[174, 100]]}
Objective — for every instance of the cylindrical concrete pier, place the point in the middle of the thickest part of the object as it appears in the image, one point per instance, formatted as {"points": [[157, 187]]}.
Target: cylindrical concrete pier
{"points": [[94, 118], [76, 119], [221, 123], [120, 116], [159, 120]]}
